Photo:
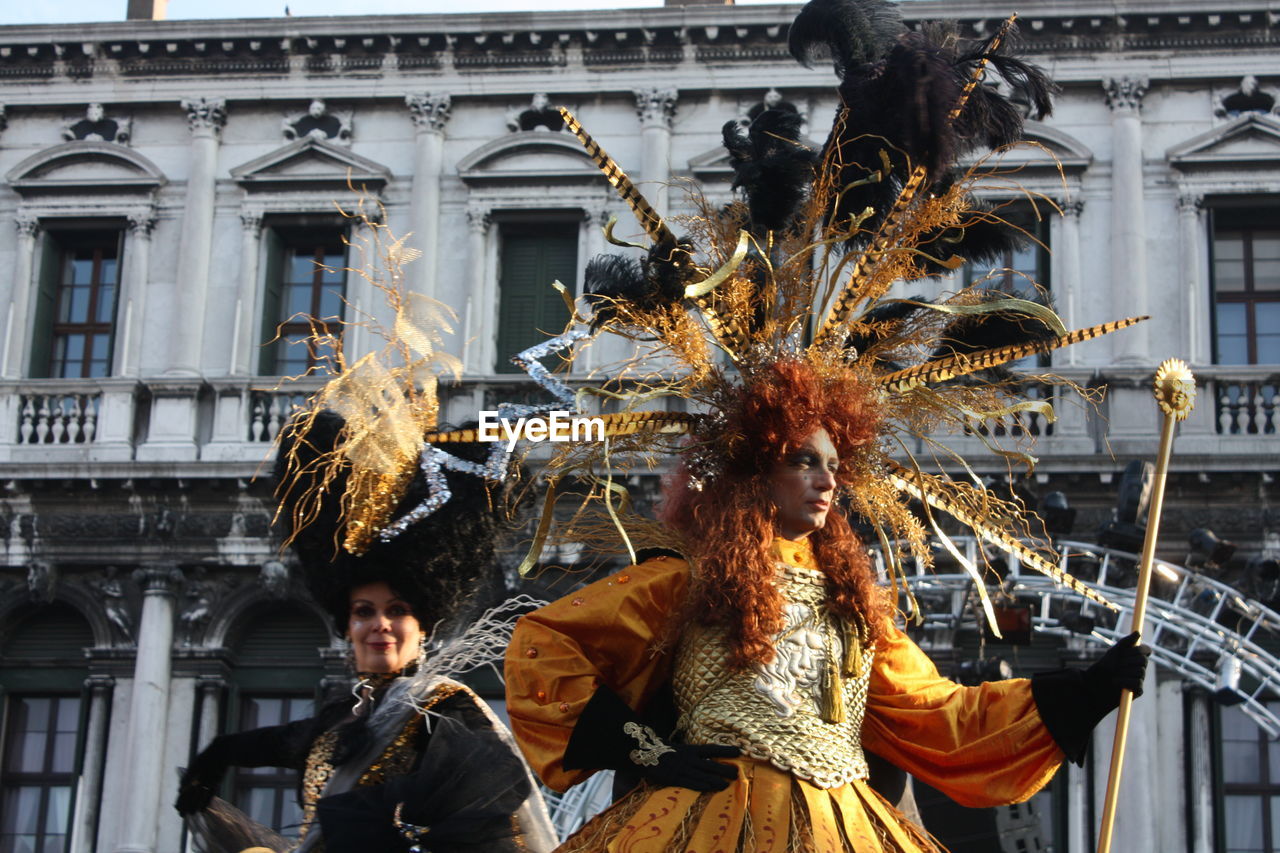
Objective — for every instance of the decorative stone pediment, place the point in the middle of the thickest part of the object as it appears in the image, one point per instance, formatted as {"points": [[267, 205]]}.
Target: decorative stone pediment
{"points": [[531, 155], [310, 164], [85, 167], [1252, 140]]}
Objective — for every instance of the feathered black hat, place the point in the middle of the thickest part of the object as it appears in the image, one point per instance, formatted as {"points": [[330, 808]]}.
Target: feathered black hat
{"points": [[436, 564]]}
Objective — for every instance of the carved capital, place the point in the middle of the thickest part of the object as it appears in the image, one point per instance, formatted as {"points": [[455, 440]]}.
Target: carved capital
{"points": [[99, 684], [210, 685], [1191, 202], [159, 579], [1125, 93], [429, 112], [27, 225], [596, 216], [205, 115], [479, 217], [1072, 209], [656, 107], [141, 224], [251, 220]]}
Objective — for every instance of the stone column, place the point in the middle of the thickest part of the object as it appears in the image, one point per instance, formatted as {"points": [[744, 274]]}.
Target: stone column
{"points": [[132, 311], [656, 108], [606, 348], [84, 826], [1198, 310], [244, 342], [430, 113], [482, 296], [208, 694], [1067, 281], [1129, 286], [17, 331], [205, 117], [148, 709], [1199, 769]]}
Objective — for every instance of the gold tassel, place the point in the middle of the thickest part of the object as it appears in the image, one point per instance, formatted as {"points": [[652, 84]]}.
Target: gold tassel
{"points": [[832, 692], [852, 648]]}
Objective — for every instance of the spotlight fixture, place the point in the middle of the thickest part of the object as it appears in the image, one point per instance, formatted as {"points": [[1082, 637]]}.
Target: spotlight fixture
{"points": [[1059, 516], [1227, 688], [1262, 578], [1128, 526], [1214, 552]]}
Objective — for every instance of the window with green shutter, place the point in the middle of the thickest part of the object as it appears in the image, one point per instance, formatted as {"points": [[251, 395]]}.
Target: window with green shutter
{"points": [[532, 256], [304, 283], [76, 294]]}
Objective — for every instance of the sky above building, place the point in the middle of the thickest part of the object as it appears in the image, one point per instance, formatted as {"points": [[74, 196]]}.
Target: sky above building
{"points": [[84, 11]]}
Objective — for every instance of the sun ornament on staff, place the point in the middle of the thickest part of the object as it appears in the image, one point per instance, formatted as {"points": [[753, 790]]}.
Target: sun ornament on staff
{"points": [[798, 272]]}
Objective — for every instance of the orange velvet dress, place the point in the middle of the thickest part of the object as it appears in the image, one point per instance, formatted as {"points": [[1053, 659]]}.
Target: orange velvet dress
{"points": [[983, 745]]}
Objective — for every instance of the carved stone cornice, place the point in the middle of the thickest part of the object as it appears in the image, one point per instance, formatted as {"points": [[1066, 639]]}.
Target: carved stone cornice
{"points": [[430, 112], [1125, 94], [205, 115], [158, 579], [656, 107]]}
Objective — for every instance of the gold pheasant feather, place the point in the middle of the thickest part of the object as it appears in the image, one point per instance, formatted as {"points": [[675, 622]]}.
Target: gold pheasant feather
{"points": [[929, 489], [962, 364], [649, 218]]}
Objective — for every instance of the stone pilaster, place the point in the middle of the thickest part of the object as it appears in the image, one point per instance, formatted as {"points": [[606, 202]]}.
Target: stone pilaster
{"points": [[1198, 309], [430, 114], [17, 329], [132, 309], [482, 296], [205, 118], [1067, 279], [84, 825], [1129, 285], [656, 108], [245, 343], [148, 710]]}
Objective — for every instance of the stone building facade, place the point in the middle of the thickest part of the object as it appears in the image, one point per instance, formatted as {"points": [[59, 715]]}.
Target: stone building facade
{"points": [[172, 186]]}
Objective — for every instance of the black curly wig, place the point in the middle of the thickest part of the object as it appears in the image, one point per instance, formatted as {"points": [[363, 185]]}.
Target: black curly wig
{"points": [[438, 566]]}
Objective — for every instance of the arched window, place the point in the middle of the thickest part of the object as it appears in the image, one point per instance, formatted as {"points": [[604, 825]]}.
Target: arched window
{"points": [[42, 673]]}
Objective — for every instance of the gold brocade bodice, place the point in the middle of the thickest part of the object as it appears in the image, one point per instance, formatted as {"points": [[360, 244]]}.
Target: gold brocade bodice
{"points": [[776, 712]]}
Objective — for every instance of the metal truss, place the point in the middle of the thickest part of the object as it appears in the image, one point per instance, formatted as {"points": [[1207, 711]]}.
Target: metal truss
{"points": [[1206, 631]]}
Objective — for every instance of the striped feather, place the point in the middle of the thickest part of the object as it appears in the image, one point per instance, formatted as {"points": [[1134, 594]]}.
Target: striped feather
{"points": [[962, 364], [649, 218], [924, 487], [976, 77]]}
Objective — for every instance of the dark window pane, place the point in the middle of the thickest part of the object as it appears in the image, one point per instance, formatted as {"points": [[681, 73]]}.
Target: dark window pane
{"points": [[80, 269], [330, 304], [106, 303], [58, 811], [108, 271], [1243, 824], [1233, 347], [334, 272], [297, 300], [75, 305], [21, 811]]}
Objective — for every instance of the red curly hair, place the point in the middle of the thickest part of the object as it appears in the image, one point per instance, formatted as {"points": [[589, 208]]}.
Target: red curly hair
{"points": [[730, 523]]}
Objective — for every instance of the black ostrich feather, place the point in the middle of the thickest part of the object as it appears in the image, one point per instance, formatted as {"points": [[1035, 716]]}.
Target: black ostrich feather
{"points": [[881, 322], [968, 334], [771, 166], [647, 284], [852, 32]]}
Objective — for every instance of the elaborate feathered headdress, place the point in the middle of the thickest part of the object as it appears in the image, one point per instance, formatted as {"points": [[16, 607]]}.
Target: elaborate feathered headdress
{"points": [[799, 270]]}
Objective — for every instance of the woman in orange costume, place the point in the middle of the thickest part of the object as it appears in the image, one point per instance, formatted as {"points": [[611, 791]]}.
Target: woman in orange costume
{"points": [[783, 659]]}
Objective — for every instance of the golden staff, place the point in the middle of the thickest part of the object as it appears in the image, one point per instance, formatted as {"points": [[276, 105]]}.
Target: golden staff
{"points": [[1175, 391]]}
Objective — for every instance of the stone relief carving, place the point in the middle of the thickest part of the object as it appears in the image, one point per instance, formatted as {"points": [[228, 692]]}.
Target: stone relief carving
{"points": [[274, 577], [1248, 97], [96, 126], [539, 115], [318, 122], [200, 593], [42, 577], [205, 114], [773, 100], [116, 605]]}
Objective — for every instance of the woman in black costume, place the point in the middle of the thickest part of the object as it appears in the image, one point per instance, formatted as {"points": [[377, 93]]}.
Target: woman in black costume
{"points": [[415, 761]]}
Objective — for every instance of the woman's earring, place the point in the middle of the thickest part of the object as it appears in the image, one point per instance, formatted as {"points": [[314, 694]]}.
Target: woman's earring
{"points": [[423, 644]]}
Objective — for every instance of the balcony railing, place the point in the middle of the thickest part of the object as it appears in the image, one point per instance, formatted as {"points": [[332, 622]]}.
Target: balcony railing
{"points": [[236, 420]]}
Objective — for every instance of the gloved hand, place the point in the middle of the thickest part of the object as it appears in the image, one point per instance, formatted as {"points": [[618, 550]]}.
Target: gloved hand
{"points": [[202, 779], [1123, 667], [609, 735], [1072, 702]]}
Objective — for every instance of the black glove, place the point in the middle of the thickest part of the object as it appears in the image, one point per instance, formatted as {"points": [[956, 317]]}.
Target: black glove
{"points": [[202, 779], [1072, 702], [609, 735]]}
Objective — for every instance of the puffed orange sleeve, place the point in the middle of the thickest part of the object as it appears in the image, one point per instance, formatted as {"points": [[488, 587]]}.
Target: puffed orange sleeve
{"points": [[602, 634], [982, 746]]}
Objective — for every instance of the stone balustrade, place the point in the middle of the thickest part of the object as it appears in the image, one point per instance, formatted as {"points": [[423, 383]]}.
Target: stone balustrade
{"points": [[236, 421]]}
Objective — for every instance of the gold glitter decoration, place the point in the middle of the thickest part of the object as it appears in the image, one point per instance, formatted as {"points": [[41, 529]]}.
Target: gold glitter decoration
{"points": [[1175, 388]]}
